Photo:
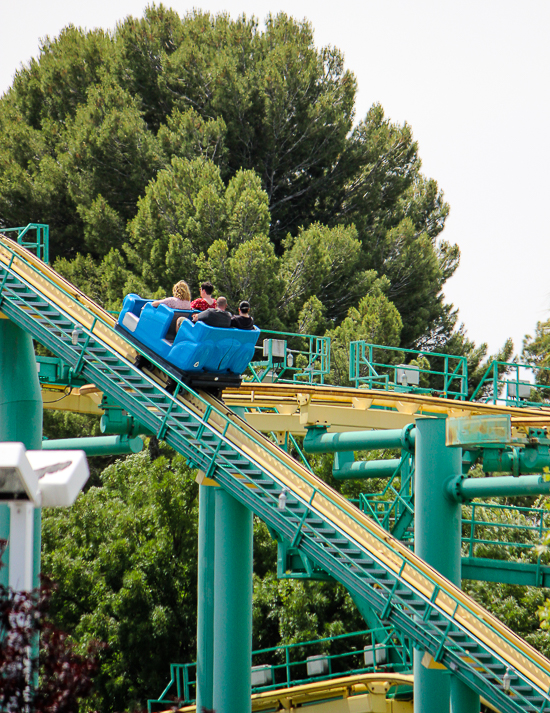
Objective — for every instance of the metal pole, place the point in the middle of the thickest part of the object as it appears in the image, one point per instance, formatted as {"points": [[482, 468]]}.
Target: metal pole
{"points": [[232, 605], [20, 421], [437, 527], [205, 598], [317, 440], [463, 489], [366, 469], [96, 445]]}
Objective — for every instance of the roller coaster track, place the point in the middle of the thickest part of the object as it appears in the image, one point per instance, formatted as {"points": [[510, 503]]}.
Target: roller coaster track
{"points": [[450, 628]]}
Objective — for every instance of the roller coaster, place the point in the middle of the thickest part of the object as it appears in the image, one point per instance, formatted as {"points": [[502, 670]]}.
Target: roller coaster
{"points": [[459, 649]]}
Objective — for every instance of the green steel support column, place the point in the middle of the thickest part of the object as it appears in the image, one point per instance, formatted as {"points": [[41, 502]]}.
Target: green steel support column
{"points": [[437, 527], [20, 417], [232, 605], [205, 598], [463, 699], [20, 396]]}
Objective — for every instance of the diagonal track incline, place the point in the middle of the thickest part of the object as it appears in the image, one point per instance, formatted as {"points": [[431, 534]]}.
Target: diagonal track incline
{"points": [[405, 592]]}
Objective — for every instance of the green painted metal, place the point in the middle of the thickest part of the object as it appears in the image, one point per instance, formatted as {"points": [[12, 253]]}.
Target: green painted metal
{"points": [[378, 367], [205, 602], [463, 699], [96, 445], [20, 420], [39, 244], [317, 440], [345, 654], [478, 431], [56, 372], [288, 357], [514, 384], [364, 468], [294, 564], [116, 420], [509, 572], [464, 489], [437, 523], [257, 487], [232, 605], [20, 397], [393, 507], [518, 461]]}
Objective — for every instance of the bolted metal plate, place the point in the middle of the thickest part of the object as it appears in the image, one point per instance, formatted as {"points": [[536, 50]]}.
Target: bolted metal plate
{"points": [[478, 431]]}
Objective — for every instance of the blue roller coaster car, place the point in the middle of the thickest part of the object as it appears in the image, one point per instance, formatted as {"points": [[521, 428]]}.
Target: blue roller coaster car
{"points": [[203, 357]]}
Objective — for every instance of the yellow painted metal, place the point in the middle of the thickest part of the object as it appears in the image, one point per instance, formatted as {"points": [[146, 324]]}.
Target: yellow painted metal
{"points": [[308, 487], [65, 295], [363, 693], [305, 395], [374, 539], [59, 399]]}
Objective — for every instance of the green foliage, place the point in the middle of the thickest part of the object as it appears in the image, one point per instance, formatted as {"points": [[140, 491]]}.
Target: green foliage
{"points": [[184, 212], [110, 157], [124, 557], [374, 320], [250, 273], [173, 133]]}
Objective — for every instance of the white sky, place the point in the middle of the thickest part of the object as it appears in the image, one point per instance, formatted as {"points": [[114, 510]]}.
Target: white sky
{"points": [[470, 77]]}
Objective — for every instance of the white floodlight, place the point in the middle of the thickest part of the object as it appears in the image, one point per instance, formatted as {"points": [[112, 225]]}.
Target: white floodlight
{"points": [[45, 478], [18, 481], [61, 475], [30, 480]]}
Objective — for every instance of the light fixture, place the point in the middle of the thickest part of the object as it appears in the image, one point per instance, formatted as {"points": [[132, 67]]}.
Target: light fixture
{"points": [[507, 680], [281, 503]]}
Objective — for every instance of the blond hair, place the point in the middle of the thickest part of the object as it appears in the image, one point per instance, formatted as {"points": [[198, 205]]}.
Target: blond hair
{"points": [[181, 291]]}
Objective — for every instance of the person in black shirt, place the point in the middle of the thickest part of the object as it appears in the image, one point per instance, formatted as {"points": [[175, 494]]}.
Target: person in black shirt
{"points": [[243, 320]]}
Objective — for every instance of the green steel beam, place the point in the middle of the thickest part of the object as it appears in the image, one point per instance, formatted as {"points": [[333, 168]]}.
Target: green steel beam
{"points": [[96, 445], [20, 420], [462, 489], [516, 460], [486, 570], [364, 468], [317, 440]]}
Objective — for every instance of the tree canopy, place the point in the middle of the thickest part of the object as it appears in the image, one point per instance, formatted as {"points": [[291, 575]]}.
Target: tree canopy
{"points": [[158, 151]]}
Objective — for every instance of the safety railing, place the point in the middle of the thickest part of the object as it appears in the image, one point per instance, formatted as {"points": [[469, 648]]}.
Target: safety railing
{"points": [[290, 665], [286, 357], [183, 428], [502, 531], [393, 507], [408, 370], [34, 237], [514, 384]]}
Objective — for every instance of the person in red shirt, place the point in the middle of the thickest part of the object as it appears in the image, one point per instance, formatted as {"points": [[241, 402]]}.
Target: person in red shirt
{"points": [[205, 301]]}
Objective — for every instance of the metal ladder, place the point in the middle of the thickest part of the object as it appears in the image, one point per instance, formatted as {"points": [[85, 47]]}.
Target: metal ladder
{"points": [[445, 624]]}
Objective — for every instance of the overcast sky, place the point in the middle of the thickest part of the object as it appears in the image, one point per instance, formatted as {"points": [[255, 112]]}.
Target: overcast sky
{"points": [[472, 80]]}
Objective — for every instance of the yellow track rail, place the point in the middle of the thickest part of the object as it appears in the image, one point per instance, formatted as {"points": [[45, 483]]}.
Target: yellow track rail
{"points": [[331, 506], [356, 694], [381, 545]]}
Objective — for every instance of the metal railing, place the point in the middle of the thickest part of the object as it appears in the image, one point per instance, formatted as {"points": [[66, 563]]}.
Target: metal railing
{"points": [[393, 507], [290, 358], [185, 427], [514, 384], [408, 370], [503, 531], [41, 243], [288, 663]]}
